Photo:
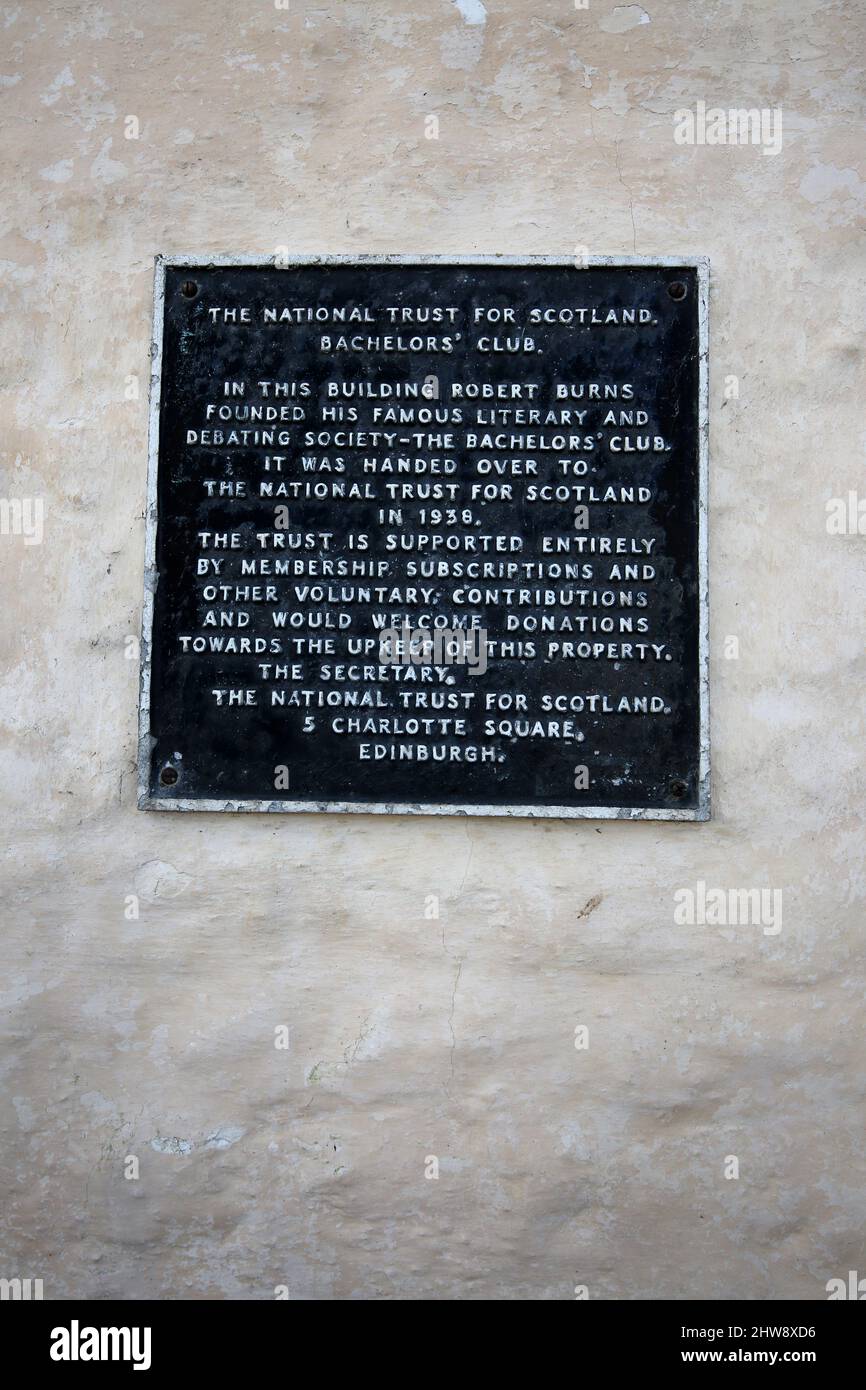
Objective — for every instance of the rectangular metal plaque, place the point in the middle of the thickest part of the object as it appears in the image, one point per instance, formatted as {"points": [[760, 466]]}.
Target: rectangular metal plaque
{"points": [[428, 535]]}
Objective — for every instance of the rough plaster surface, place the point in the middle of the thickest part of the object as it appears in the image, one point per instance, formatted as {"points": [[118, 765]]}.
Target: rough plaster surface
{"points": [[154, 1036]]}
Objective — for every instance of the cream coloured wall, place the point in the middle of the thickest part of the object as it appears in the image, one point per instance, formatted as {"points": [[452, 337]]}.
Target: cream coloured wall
{"points": [[152, 1036]]}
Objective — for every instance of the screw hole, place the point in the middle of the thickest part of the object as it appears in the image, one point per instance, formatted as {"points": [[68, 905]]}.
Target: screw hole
{"points": [[679, 788], [189, 289], [677, 289], [168, 776]]}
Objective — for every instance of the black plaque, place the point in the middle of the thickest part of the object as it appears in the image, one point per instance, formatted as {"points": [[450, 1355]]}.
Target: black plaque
{"points": [[428, 536]]}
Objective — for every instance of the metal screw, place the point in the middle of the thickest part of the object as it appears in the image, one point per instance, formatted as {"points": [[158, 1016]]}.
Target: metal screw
{"points": [[679, 788], [677, 289], [189, 289], [168, 776]]}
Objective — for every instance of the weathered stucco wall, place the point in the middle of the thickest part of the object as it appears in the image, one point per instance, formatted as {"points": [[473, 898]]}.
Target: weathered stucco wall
{"points": [[153, 1036]]}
